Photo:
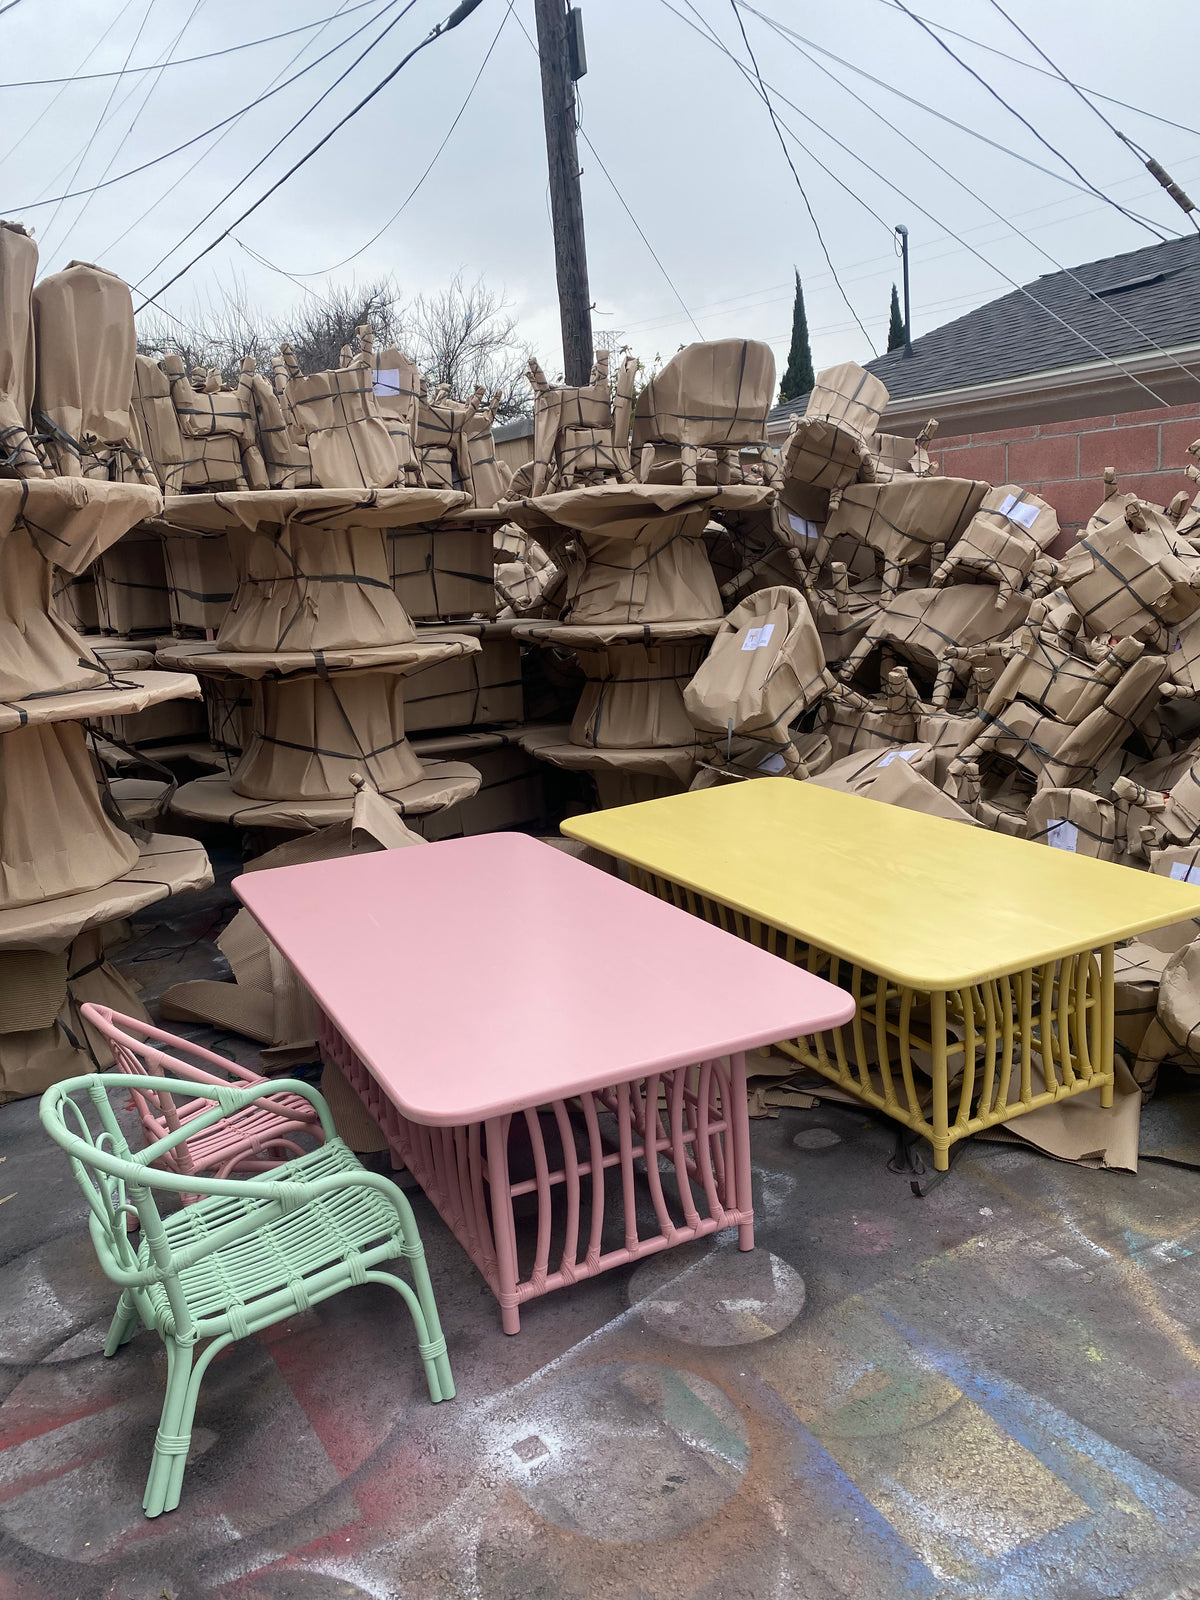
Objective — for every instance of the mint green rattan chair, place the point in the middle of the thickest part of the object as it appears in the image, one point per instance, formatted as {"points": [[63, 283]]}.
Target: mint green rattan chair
{"points": [[247, 1252]]}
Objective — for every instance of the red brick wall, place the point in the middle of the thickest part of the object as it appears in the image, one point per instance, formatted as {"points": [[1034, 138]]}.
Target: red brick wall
{"points": [[1064, 462]]}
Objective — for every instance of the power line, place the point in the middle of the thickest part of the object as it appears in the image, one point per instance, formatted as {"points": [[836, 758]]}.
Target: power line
{"points": [[766, 99], [1025, 122], [641, 235], [709, 36], [102, 118], [1153, 167], [1029, 66], [184, 61], [654, 256], [921, 105], [460, 14], [1057, 70], [1112, 310], [342, 11], [141, 110], [283, 138], [55, 98], [33, 205], [1019, 287], [885, 264], [11, 6], [416, 186]]}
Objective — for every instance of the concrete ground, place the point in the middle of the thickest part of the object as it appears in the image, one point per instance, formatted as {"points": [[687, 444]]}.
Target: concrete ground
{"points": [[990, 1392]]}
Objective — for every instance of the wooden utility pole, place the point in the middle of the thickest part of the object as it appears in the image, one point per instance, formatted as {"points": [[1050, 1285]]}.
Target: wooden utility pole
{"points": [[566, 200]]}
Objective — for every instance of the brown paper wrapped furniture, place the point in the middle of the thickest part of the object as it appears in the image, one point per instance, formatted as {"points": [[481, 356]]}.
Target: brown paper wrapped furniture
{"points": [[581, 433], [1131, 572], [1000, 544], [763, 671], [19, 453], [85, 343], [828, 447], [711, 396]]}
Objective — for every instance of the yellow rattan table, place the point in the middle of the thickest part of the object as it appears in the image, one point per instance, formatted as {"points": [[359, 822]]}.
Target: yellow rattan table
{"points": [[982, 965]]}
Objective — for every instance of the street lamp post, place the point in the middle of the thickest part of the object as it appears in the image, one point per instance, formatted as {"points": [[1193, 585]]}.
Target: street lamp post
{"points": [[902, 234]]}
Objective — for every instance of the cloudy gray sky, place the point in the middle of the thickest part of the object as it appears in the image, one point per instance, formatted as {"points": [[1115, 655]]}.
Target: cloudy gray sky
{"points": [[684, 136]]}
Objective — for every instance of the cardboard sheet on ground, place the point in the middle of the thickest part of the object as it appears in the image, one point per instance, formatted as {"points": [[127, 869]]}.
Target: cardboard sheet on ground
{"points": [[1080, 1130]]}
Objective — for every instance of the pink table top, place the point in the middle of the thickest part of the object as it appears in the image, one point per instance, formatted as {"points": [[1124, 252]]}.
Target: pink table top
{"points": [[484, 975]]}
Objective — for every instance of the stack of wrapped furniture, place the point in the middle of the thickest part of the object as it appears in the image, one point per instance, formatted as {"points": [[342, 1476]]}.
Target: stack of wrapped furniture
{"points": [[640, 602], [71, 865]]}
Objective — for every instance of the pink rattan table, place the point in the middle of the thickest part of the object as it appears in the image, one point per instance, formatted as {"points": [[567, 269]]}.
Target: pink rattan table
{"points": [[536, 1036]]}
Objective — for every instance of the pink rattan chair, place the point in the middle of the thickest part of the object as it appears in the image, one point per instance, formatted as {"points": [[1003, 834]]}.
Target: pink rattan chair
{"points": [[254, 1139]]}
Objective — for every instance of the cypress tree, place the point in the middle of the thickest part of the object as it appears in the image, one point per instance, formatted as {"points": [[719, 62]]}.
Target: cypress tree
{"points": [[798, 379], [895, 324]]}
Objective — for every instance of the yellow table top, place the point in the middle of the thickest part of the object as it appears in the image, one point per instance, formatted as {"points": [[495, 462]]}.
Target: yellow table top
{"points": [[926, 901]]}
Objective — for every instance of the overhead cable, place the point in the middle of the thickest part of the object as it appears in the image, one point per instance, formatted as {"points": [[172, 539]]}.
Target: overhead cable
{"points": [[710, 37], [283, 138], [999, 271], [922, 105], [343, 10], [766, 100], [141, 110], [433, 160], [1107, 305], [185, 61], [457, 16], [101, 38], [1030, 66], [641, 235], [754, 297], [1025, 122], [1155, 168], [267, 94], [83, 155]]}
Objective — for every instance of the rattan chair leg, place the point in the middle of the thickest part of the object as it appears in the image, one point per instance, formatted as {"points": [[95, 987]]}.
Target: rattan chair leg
{"points": [[430, 1342], [187, 1417], [170, 1441], [123, 1325]]}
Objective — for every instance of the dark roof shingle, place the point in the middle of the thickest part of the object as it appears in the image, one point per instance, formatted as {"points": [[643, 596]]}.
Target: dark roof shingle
{"points": [[1157, 289]]}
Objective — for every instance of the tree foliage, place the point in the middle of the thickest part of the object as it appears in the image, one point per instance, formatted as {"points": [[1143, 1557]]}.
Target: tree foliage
{"points": [[798, 379], [895, 324]]}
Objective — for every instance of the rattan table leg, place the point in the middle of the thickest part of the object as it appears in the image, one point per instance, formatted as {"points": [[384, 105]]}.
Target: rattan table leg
{"points": [[1107, 1024], [503, 1225], [941, 1087], [739, 1120]]}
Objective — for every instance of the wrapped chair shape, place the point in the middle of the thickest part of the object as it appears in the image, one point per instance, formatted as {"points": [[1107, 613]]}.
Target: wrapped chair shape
{"points": [[249, 1253], [1060, 717], [254, 1140], [713, 396]]}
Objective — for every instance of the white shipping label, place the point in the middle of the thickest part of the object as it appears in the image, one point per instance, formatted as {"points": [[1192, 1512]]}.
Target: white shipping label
{"points": [[759, 638], [896, 755], [773, 765], [802, 525], [387, 381], [1181, 870], [1019, 511], [1062, 835]]}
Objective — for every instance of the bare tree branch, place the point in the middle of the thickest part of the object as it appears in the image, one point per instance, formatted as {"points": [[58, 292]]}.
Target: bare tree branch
{"points": [[462, 337]]}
